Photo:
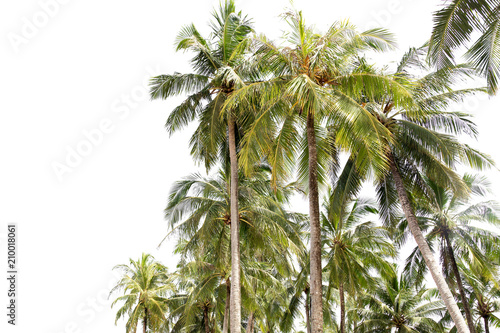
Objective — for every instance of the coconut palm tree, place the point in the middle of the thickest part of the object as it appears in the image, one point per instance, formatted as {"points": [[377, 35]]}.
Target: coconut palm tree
{"points": [[219, 65], [396, 305], [198, 212], [298, 292], [456, 23], [201, 301], [421, 143], [299, 300], [146, 285], [310, 80], [353, 247], [272, 301], [484, 293], [446, 219]]}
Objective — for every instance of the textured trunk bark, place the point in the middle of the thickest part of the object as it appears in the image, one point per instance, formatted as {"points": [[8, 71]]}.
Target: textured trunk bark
{"points": [[427, 254], [465, 302], [342, 307], [205, 319], [235, 317], [250, 323], [145, 321], [225, 327], [315, 255], [486, 325], [308, 312]]}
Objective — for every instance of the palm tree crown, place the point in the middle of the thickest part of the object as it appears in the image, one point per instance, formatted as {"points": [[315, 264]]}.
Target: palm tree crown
{"points": [[397, 306], [145, 285]]}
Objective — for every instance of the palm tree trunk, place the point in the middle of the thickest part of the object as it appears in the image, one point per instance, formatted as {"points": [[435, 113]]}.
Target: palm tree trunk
{"points": [[460, 285], [235, 317], [145, 321], [250, 323], [205, 319], [342, 307], [427, 254], [315, 255], [486, 325], [225, 326], [308, 311]]}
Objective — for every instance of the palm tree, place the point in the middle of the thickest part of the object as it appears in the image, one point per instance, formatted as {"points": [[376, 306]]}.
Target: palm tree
{"points": [[298, 292], [219, 69], [310, 81], [484, 293], [299, 295], [198, 212], [145, 285], [446, 218], [397, 306], [272, 301], [456, 23], [352, 247], [201, 301], [420, 143]]}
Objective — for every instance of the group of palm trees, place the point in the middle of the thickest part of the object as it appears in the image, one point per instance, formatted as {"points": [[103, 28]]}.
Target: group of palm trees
{"points": [[312, 108]]}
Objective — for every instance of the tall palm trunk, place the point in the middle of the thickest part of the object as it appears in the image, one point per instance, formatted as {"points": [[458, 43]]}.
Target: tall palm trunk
{"points": [[486, 325], [145, 321], [460, 285], [250, 323], [342, 307], [225, 325], [426, 252], [235, 317], [308, 311], [205, 319], [315, 255]]}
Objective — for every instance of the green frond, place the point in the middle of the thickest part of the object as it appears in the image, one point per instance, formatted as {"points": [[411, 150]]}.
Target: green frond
{"points": [[378, 39], [165, 86], [453, 26], [485, 52], [412, 59]]}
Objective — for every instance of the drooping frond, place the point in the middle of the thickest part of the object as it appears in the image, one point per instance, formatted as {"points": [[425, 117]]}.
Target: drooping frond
{"points": [[485, 52], [453, 26], [165, 86]]}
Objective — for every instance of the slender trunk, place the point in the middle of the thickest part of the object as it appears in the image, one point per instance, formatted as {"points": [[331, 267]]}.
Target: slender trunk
{"points": [[486, 325], [205, 319], [308, 311], [427, 254], [145, 321], [342, 307], [250, 323], [225, 327], [460, 285], [315, 255], [235, 317]]}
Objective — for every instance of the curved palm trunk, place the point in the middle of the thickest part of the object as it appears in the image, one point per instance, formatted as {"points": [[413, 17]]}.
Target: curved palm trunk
{"points": [[315, 255], [145, 321], [427, 254], [225, 325], [235, 317], [342, 307], [460, 285]]}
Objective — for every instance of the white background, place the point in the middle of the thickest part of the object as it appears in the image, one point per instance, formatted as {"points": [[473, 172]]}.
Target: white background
{"points": [[68, 67]]}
